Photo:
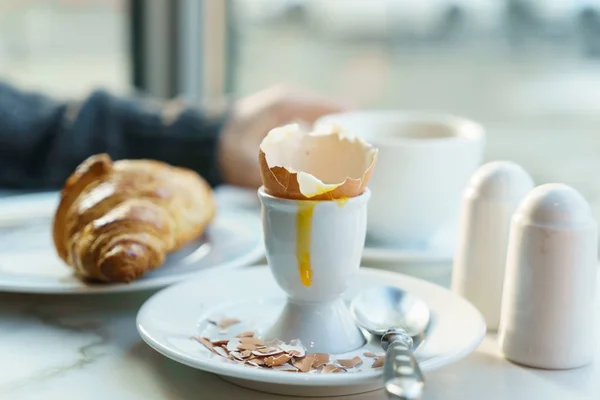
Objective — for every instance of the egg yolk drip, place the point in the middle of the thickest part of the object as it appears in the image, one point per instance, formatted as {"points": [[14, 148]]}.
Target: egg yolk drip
{"points": [[303, 239], [341, 201]]}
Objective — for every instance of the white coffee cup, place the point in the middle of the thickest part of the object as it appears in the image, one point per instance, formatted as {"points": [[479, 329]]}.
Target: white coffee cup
{"points": [[425, 161]]}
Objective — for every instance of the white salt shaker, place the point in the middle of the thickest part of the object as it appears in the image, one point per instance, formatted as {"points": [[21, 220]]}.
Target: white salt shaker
{"points": [[494, 192], [548, 318]]}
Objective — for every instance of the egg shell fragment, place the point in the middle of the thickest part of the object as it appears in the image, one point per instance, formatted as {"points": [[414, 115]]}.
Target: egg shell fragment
{"points": [[350, 363], [378, 363], [221, 351], [232, 345], [277, 360], [294, 348], [252, 341], [320, 359]]}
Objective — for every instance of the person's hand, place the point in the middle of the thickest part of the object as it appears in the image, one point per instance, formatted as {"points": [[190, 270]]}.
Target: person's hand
{"points": [[253, 117]]}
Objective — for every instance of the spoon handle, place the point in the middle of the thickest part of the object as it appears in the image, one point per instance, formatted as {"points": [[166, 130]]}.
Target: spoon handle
{"points": [[401, 373]]}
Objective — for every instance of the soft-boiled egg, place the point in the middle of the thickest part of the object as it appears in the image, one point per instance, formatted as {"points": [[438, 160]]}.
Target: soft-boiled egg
{"points": [[321, 165], [324, 164]]}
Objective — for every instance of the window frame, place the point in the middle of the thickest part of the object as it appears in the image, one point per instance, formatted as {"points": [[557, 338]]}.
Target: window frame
{"points": [[181, 48]]}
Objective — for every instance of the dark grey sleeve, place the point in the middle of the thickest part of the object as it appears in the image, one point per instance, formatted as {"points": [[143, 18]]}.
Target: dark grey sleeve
{"points": [[43, 140]]}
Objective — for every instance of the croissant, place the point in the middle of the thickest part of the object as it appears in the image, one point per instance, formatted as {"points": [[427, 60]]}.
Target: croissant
{"points": [[118, 220]]}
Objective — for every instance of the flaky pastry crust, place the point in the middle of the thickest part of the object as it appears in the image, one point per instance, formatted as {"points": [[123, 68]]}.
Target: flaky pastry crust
{"points": [[118, 220]]}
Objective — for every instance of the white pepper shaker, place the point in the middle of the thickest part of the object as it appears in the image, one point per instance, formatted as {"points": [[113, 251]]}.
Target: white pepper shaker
{"points": [[548, 318], [489, 201]]}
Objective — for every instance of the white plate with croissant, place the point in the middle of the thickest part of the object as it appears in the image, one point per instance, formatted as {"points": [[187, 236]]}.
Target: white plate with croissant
{"points": [[122, 226]]}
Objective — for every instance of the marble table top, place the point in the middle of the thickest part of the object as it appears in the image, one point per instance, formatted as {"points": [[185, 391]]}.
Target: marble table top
{"points": [[71, 347]]}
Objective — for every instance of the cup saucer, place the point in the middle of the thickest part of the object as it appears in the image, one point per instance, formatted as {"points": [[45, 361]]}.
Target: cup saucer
{"points": [[441, 251], [170, 320]]}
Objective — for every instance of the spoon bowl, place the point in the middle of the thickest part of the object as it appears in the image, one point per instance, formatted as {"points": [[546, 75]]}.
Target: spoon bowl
{"points": [[379, 308], [400, 319]]}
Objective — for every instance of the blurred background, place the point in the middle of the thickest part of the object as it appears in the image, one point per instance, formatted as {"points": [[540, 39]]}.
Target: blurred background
{"points": [[528, 69]]}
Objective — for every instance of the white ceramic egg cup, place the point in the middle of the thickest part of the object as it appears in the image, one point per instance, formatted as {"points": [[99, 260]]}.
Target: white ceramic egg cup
{"points": [[315, 313]]}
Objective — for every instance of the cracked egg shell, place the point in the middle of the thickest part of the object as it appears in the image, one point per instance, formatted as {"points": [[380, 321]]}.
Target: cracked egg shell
{"points": [[326, 164]]}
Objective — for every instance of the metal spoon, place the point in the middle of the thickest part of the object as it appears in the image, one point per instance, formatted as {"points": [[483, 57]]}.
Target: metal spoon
{"points": [[397, 317]]}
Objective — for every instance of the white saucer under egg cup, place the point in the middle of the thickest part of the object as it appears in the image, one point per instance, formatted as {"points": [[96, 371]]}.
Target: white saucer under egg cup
{"points": [[316, 314]]}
